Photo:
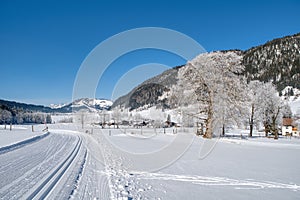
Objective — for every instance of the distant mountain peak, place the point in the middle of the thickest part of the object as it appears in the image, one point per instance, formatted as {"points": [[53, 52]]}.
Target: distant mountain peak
{"points": [[88, 104], [57, 106]]}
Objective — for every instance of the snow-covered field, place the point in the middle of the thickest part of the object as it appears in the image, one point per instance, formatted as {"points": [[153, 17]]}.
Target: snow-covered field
{"points": [[127, 163], [18, 133]]}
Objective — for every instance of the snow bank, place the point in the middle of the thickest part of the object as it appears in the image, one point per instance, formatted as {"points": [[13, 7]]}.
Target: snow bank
{"points": [[19, 134]]}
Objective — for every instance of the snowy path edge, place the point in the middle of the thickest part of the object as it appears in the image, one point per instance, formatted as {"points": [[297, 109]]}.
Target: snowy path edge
{"points": [[18, 145]]}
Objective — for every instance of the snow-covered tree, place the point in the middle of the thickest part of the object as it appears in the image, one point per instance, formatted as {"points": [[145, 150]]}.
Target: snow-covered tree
{"points": [[271, 107], [116, 116], [212, 81], [19, 118], [48, 119], [5, 116], [255, 101], [39, 118], [286, 110]]}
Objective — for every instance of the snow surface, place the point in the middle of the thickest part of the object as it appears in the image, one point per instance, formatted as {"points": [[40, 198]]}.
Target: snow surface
{"points": [[34, 169], [18, 133], [293, 101], [295, 106], [95, 163]]}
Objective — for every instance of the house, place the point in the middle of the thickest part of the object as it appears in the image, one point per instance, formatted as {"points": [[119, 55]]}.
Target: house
{"points": [[169, 124], [289, 128]]}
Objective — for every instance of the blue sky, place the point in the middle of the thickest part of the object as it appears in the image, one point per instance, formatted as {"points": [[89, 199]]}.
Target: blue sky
{"points": [[43, 43]]}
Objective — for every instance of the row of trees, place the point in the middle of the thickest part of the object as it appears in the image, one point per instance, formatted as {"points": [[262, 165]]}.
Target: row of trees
{"points": [[265, 106], [7, 117], [212, 89]]}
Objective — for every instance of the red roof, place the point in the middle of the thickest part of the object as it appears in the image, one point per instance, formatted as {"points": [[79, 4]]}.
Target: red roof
{"points": [[287, 121]]}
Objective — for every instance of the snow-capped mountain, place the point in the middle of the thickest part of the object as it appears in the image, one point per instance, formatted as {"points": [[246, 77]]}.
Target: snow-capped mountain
{"points": [[19, 113], [57, 106], [92, 105]]}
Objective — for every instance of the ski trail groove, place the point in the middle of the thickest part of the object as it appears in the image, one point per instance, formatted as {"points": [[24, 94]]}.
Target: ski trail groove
{"points": [[47, 185]]}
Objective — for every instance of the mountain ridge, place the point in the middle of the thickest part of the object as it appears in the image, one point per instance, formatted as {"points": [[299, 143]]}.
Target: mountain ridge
{"points": [[262, 62], [16, 112], [277, 60]]}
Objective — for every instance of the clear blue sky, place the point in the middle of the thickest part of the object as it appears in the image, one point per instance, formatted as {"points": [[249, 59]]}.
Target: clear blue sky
{"points": [[43, 43]]}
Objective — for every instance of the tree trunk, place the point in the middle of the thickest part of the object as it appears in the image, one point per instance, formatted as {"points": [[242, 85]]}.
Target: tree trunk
{"points": [[208, 121], [208, 131], [223, 130], [274, 129], [267, 128], [276, 134], [274, 123], [251, 121]]}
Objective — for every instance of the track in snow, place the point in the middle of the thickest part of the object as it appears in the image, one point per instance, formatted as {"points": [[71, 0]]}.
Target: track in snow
{"points": [[47, 168], [122, 183], [48, 184]]}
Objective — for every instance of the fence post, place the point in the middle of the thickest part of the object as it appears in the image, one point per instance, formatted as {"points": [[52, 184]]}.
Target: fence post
{"points": [[32, 130], [10, 127]]}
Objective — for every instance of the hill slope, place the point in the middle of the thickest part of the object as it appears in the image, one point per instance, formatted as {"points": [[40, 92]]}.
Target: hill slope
{"points": [[277, 60], [148, 92]]}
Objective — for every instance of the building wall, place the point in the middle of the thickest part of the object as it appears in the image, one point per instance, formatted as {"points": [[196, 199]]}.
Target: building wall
{"points": [[286, 129], [296, 133]]}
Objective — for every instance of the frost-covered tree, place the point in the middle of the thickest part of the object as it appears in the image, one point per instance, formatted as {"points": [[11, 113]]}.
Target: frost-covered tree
{"points": [[271, 107], [19, 118], [158, 116], [212, 81], [116, 116], [5, 116], [255, 100], [286, 111], [28, 118], [39, 118], [230, 107], [48, 119]]}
